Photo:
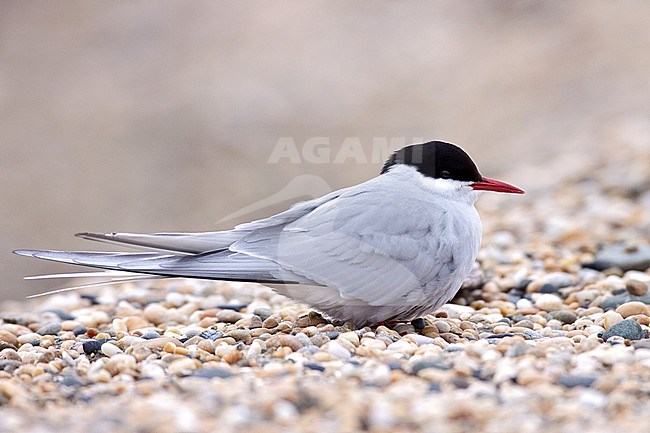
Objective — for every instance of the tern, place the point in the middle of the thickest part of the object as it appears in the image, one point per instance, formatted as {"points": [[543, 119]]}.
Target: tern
{"points": [[393, 248]]}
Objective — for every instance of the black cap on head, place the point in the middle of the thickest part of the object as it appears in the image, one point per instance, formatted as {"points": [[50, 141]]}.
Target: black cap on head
{"points": [[437, 159]]}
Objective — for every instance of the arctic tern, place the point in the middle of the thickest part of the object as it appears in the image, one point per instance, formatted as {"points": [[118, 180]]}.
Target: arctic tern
{"points": [[393, 248]]}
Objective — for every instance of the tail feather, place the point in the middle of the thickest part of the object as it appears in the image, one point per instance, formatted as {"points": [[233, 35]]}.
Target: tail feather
{"points": [[221, 265], [188, 243], [96, 274], [97, 284]]}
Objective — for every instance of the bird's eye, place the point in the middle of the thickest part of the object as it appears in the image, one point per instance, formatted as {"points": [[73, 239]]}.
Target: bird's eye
{"points": [[445, 174]]}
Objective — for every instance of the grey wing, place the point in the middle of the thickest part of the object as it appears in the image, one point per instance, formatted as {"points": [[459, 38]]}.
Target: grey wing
{"points": [[194, 243], [372, 245]]}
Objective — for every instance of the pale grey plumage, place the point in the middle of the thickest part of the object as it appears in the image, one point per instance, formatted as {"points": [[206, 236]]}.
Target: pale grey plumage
{"points": [[393, 248]]}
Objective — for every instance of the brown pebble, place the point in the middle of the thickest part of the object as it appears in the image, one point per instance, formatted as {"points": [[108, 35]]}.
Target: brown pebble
{"points": [[228, 316], [270, 322], [136, 322], [636, 288], [632, 308], [283, 340], [8, 337], [589, 311], [232, 357], [207, 322], [240, 335], [169, 347], [252, 322]]}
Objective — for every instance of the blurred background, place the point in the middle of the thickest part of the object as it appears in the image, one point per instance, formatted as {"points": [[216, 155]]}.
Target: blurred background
{"points": [[150, 116]]}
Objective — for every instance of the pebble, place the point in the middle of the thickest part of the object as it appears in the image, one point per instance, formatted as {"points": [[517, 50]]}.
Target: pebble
{"points": [[52, 328], [352, 337], [229, 316], [182, 367], [628, 329], [72, 380], [120, 363], [156, 313], [609, 319], [548, 302], [623, 257], [136, 322], [558, 279], [573, 381], [263, 313], [633, 308], [335, 349], [110, 349], [150, 370], [9, 338], [637, 288], [282, 340], [211, 373], [564, 316], [211, 334]]}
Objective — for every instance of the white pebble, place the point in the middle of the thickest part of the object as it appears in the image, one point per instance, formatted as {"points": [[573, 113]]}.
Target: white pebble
{"points": [[548, 302], [109, 349], [152, 371], [335, 349]]}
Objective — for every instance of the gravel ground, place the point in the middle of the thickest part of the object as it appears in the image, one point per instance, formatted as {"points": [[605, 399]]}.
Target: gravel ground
{"points": [[549, 334]]}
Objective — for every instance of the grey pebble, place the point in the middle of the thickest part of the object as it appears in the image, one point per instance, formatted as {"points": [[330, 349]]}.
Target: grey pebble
{"points": [[516, 350], [314, 366], [549, 288], [211, 373], [566, 317], [9, 365], [332, 335], [79, 330], [616, 301], [71, 380], [304, 339], [263, 313], [421, 365], [233, 307], [623, 257], [52, 328], [531, 335], [573, 380], [61, 314], [418, 324], [211, 334], [91, 347], [498, 336], [319, 339], [151, 335], [627, 329]]}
